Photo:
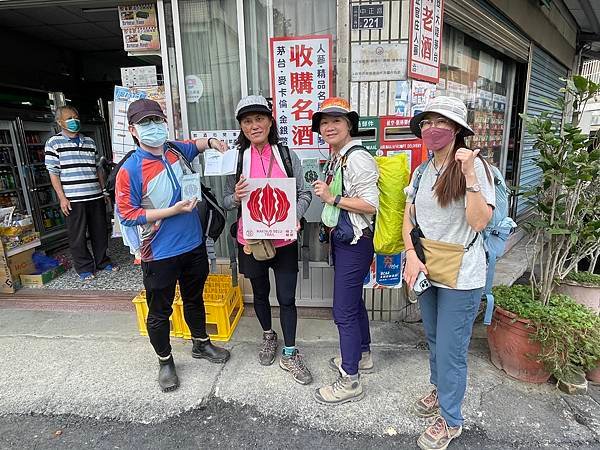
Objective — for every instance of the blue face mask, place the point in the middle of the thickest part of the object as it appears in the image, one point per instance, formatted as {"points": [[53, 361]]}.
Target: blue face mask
{"points": [[152, 134], [73, 125]]}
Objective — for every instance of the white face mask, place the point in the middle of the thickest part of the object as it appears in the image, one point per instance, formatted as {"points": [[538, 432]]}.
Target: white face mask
{"points": [[152, 134]]}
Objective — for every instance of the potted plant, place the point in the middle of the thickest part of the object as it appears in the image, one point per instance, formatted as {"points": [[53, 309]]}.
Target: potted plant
{"points": [[564, 231], [531, 341], [584, 287]]}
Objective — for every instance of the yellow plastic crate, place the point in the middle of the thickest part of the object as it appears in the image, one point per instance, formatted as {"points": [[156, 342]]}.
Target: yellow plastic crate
{"points": [[223, 305], [141, 310], [222, 302]]}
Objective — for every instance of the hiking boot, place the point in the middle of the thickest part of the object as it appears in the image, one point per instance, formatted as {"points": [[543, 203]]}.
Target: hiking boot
{"points": [[365, 365], [296, 367], [438, 435], [266, 354], [343, 390], [427, 406], [167, 375], [206, 350]]}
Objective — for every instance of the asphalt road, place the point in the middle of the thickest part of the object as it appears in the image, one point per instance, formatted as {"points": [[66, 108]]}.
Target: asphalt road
{"points": [[217, 425]]}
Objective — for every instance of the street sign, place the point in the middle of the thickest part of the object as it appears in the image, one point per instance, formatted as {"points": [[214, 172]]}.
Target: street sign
{"points": [[367, 17]]}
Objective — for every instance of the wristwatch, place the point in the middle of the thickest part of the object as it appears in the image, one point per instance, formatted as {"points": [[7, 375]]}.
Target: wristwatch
{"points": [[208, 142], [337, 200], [475, 188]]}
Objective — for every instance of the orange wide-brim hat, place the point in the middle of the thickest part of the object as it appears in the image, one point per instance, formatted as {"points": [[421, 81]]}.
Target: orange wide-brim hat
{"points": [[335, 106]]}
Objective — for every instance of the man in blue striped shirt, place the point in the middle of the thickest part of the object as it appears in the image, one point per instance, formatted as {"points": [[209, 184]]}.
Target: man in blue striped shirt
{"points": [[72, 161]]}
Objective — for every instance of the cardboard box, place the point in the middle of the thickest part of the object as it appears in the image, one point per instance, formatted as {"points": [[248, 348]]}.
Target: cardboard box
{"points": [[38, 280], [21, 263], [6, 282]]}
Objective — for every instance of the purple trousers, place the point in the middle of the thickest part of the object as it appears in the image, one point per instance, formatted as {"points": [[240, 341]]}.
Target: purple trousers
{"points": [[352, 263]]}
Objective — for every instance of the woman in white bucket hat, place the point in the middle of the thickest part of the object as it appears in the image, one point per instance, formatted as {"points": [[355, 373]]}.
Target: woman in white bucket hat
{"points": [[448, 205]]}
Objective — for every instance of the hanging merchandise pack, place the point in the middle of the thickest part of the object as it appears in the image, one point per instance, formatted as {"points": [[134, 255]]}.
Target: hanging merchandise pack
{"points": [[394, 176]]}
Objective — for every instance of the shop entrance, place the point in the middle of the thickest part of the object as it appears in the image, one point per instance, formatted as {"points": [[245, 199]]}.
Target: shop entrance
{"points": [[57, 53]]}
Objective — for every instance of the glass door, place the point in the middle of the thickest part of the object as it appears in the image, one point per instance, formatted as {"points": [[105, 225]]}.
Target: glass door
{"points": [[45, 204], [11, 186]]}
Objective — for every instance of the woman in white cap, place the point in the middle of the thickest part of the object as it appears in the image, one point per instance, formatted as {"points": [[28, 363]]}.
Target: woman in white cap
{"points": [[450, 203], [261, 156], [351, 244]]}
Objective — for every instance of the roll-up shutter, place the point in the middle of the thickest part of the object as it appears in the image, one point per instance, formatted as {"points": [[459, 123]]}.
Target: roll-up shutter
{"points": [[544, 83], [487, 25]]}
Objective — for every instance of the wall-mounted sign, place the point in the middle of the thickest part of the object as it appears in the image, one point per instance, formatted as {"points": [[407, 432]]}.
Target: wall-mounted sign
{"points": [[301, 74], [367, 17], [137, 15], [194, 88], [379, 62], [139, 26], [139, 76], [141, 39], [426, 19]]}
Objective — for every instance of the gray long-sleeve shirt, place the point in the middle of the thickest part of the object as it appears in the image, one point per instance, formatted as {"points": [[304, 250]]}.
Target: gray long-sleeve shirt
{"points": [[304, 196]]}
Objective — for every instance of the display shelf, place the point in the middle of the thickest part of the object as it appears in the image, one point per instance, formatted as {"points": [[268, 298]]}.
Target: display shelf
{"points": [[48, 205], [47, 184], [24, 247], [8, 191]]}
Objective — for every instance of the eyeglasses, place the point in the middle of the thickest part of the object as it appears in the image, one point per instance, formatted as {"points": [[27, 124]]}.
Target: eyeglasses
{"points": [[149, 120], [440, 122]]}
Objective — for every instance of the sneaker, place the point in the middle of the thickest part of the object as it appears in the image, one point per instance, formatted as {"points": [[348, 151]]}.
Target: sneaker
{"points": [[86, 276], [295, 365], [266, 354], [110, 268], [365, 365], [438, 435], [427, 406], [343, 390]]}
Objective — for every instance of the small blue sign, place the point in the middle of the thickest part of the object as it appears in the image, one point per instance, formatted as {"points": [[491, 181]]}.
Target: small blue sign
{"points": [[388, 269]]}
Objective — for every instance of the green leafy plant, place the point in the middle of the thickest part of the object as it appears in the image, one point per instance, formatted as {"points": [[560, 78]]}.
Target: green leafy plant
{"points": [[568, 333], [584, 278], [566, 226]]}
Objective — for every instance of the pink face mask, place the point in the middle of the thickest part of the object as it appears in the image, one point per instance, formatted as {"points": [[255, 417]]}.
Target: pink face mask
{"points": [[437, 138]]}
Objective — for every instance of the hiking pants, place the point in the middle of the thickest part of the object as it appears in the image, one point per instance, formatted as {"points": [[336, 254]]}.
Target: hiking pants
{"points": [[448, 316], [352, 263]]}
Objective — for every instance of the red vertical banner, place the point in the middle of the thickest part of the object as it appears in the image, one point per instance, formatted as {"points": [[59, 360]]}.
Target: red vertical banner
{"points": [[425, 39], [301, 79]]}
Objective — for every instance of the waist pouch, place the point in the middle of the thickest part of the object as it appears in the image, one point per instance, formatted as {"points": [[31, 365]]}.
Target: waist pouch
{"points": [[443, 261], [261, 249], [343, 231]]}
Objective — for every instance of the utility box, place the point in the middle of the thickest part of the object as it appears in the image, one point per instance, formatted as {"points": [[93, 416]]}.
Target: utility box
{"points": [[396, 137]]}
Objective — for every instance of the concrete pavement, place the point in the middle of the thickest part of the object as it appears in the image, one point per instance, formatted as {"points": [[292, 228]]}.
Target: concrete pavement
{"points": [[94, 365]]}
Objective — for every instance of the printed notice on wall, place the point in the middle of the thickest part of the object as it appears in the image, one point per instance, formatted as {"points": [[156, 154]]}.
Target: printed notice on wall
{"points": [[301, 74], [139, 76], [379, 62], [426, 18]]}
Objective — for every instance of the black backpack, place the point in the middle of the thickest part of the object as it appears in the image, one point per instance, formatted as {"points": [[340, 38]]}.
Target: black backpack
{"points": [[212, 215], [111, 179]]}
